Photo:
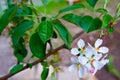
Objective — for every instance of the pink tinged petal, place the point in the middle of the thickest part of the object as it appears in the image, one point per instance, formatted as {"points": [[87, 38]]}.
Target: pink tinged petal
{"points": [[103, 50], [92, 70], [72, 68], [83, 60], [81, 72], [97, 56], [74, 51], [98, 42], [74, 60], [81, 44]]}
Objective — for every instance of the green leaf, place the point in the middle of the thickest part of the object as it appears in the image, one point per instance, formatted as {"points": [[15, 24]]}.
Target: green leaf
{"points": [[63, 32], [20, 51], [20, 29], [9, 3], [101, 10], [7, 17], [45, 2], [111, 30], [16, 68], [44, 64], [44, 73], [45, 31], [72, 18], [37, 47], [92, 3], [107, 18], [89, 24], [72, 7], [53, 75]]}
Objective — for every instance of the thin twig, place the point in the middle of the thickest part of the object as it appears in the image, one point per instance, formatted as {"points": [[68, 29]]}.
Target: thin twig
{"points": [[40, 60]]}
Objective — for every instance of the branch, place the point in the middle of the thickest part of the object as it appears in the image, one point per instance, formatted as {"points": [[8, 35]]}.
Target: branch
{"points": [[40, 60]]}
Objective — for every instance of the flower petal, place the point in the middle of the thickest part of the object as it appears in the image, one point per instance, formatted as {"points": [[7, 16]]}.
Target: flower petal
{"points": [[72, 68], [98, 42], [89, 53], [81, 72], [81, 44], [103, 63], [74, 60], [97, 56], [103, 50], [83, 60], [96, 64], [74, 51], [88, 66]]}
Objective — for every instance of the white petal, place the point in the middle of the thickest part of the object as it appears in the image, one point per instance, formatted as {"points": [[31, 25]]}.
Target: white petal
{"points": [[98, 42], [89, 53], [97, 56], [103, 63], [74, 60], [72, 68], [88, 66], [103, 50], [83, 60], [74, 51], [81, 72], [81, 43], [96, 64]]}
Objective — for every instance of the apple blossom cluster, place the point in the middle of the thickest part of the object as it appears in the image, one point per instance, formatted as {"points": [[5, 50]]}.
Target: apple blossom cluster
{"points": [[88, 58]]}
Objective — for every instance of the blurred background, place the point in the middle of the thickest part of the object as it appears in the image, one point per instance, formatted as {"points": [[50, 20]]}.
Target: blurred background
{"points": [[109, 72]]}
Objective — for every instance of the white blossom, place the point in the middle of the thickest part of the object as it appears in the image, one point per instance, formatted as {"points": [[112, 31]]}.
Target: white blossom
{"points": [[77, 66], [90, 58], [80, 49], [102, 49]]}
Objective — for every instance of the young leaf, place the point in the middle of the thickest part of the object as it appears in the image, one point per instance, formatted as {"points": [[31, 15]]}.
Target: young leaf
{"points": [[72, 18], [63, 32], [44, 73], [7, 17], [37, 47], [45, 30], [45, 2], [101, 10], [92, 3], [72, 7], [20, 29], [89, 24], [107, 18], [16, 68]]}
